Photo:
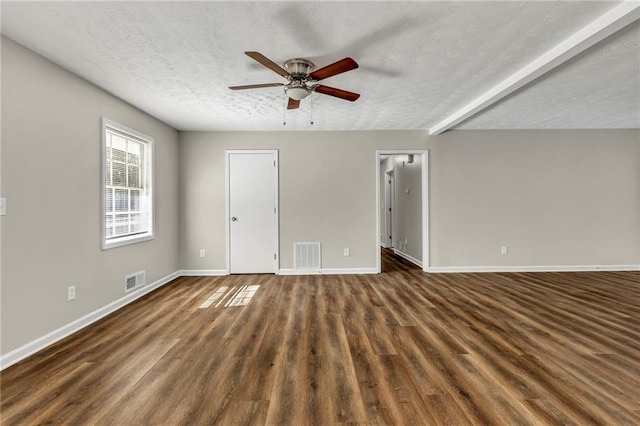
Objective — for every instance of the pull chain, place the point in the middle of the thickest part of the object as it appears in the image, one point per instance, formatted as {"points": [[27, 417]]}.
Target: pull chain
{"points": [[284, 110], [313, 101]]}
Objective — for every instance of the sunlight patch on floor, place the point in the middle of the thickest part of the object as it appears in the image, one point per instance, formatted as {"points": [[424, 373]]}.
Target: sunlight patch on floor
{"points": [[243, 296], [215, 296], [231, 297]]}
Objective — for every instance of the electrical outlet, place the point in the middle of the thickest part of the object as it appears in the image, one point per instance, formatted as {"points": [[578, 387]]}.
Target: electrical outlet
{"points": [[202, 253], [347, 252], [71, 293], [504, 250]]}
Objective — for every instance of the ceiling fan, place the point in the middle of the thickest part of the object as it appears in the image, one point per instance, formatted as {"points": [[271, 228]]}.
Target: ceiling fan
{"points": [[302, 79]]}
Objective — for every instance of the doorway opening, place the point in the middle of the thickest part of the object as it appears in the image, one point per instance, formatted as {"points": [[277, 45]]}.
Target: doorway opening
{"points": [[402, 208]]}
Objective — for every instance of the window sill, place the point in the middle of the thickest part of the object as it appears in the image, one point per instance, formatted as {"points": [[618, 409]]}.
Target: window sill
{"points": [[125, 241]]}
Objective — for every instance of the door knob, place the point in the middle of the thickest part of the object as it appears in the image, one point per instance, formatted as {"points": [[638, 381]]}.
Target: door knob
{"points": [[233, 218]]}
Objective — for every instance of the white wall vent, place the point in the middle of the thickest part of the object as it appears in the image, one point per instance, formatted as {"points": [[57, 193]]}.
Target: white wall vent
{"points": [[134, 280], [306, 255]]}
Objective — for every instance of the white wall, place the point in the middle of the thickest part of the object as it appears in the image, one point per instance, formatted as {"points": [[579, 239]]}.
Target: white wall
{"points": [[51, 177], [408, 206], [336, 205], [554, 197]]}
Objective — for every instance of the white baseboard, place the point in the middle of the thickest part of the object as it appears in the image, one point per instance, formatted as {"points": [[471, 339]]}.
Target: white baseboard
{"points": [[327, 271], [202, 272], [408, 257], [40, 343], [551, 268]]}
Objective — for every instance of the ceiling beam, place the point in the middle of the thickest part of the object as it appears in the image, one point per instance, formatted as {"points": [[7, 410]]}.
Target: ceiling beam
{"points": [[607, 24]]}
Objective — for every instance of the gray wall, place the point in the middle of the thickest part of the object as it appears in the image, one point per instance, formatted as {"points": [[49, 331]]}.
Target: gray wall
{"points": [[51, 144], [327, 192], [554, 197]]}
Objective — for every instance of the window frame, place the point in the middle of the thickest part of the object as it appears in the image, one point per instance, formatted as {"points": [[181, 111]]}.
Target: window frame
{"points": [[148, 141]]}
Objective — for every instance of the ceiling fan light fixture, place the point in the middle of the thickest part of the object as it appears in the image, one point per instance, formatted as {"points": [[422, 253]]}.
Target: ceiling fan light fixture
{"points": [[302, 79], [297, 92]]}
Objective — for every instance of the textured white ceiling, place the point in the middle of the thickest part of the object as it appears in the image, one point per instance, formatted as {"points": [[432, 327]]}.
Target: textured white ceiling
{"points": [[597, 89], [419, 61]]}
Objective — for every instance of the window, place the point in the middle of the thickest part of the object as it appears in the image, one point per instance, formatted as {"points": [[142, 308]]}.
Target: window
{"points": [[127, 185]]}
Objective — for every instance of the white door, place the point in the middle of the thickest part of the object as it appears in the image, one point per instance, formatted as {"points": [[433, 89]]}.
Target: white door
{"points": [[252, 213]]}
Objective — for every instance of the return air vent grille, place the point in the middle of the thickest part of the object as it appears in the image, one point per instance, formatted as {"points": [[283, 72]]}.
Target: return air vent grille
{"points": [[134, 280], [306, 255]]}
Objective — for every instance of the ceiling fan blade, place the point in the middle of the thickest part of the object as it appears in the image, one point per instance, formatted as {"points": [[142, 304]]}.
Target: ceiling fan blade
{"points": [[268, 63], [343, 65], [255, 86], [338, 93], [293, 103]]}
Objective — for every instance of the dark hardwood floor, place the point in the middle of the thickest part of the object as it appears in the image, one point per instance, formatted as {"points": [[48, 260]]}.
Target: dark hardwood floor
{"points": [[402, 347]]}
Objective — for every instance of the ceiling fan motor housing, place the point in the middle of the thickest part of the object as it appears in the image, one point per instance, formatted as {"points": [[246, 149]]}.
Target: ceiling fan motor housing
{"points": [[298, 67]]}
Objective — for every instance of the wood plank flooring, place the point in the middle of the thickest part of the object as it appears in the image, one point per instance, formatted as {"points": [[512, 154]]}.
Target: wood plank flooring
{"points": [[399, 348]]}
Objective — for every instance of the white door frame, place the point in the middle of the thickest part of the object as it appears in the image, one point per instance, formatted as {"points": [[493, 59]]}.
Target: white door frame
{"points": [[389, 205], [424, 154], [227, 213]]}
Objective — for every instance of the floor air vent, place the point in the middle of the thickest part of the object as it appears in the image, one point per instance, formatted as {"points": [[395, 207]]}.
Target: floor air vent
{"points": [[134, 280], [306, 255]]}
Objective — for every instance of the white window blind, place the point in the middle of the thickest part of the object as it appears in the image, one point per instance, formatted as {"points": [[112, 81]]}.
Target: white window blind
{"points": [[127, 189]]}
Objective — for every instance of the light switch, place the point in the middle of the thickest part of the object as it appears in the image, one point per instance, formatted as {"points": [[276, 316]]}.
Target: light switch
{"points": [[3, 206]]}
